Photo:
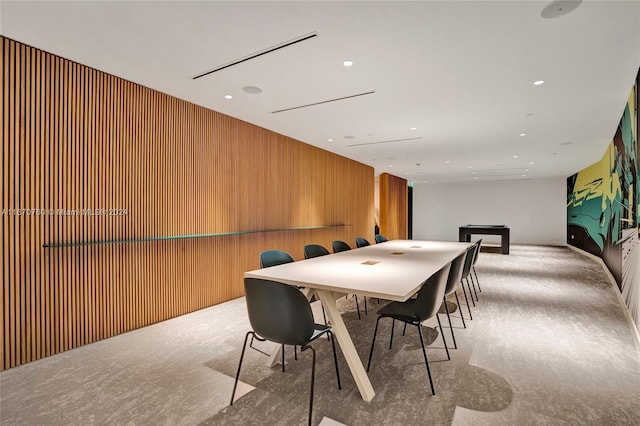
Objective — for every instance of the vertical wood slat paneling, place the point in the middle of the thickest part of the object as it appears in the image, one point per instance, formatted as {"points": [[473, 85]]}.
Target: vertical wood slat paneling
{"points": [[75, 138], [393, 206]]}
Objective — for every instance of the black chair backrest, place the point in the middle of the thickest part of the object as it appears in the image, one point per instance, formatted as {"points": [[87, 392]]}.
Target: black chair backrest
{"points": [[468, 261], [380, 238], [361, 242], [278, 312], [455, 273], [339, 246], [314, 250], [475, 258], [430, 295], [274, 257]]}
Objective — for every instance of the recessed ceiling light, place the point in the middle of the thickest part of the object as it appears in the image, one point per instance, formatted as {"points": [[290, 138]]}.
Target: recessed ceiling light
{"points": [[538, 82], [347, 63], [426, 181], [473, 173], [530, 162], [329, 140], [447, 161], [470, 167], [228, 97], [515, 156], [390, 165], [413, 128], [523, 134], [476, 177], [523, 175], [526, 170]]}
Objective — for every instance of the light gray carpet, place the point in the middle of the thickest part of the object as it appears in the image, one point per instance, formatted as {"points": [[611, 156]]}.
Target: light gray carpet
{"points": [[549, 344]]}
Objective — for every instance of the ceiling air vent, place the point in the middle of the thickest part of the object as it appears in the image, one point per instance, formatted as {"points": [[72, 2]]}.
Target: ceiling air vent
{"points": [[258, 54], [324, 102], [389, 141]]}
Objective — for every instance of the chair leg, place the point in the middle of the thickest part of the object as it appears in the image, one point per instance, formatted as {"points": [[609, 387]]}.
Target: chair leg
{"points": [[313, 378], [365, 304], [466, 300], [373, 342], [473, 268], [283, 358], [393, 326], [473, 284], [335, 357], [446, 308], [459, 310], [426, 361], [295, 352], [404, 329], [244, 345], [470, 293], [443, 339], [355, 296]]}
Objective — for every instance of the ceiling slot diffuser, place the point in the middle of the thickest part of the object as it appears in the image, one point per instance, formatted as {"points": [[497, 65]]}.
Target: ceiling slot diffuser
{"points": [[324, 102], [258, 54], [393, 140]]}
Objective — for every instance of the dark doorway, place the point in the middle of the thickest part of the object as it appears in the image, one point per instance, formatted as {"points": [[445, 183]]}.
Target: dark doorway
{"points": [[410, 213]]}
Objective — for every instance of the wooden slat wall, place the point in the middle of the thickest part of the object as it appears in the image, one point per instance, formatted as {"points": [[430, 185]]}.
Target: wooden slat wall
{"points": [[393, 206], [76, 138]]}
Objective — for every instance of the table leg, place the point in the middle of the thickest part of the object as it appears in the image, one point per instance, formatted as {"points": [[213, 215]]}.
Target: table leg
{"points": [[346, 344], [505, 242]]}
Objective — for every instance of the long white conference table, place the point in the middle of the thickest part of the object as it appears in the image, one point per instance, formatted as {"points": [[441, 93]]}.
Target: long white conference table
{"points": [[394, 270]]}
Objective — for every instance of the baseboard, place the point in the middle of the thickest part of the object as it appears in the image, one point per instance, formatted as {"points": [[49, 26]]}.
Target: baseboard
{"points": [[612, 280]]}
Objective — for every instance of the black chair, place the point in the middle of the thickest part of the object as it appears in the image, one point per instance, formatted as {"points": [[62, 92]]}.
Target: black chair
{"points": [[414, 311], [380, 238], [274, 257], [280, 313], [453, 283], [361, 242], [469, 276], [473, 266], [314, 250], [468, 262], [339, 246]]}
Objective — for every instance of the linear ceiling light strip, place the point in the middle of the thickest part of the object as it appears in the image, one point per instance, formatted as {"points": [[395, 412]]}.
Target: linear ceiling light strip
{"points": [[394, 140], [324, 102], [258, 54]]}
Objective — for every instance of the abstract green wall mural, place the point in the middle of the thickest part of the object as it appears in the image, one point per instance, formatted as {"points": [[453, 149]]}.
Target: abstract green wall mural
{"points": [[603, 203]]}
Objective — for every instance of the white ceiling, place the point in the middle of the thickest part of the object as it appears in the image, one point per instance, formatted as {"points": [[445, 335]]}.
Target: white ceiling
{"points": [[461, 73]]}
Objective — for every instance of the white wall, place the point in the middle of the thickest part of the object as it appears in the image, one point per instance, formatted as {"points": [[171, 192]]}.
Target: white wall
{"points": [[534, 210]]}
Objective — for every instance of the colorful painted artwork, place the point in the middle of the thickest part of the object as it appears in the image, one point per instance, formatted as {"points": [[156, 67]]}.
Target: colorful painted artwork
{"points": [[603, 203]]}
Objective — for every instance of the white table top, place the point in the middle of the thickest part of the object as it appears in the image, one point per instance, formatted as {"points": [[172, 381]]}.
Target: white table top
{"points": [[402, 266]]}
